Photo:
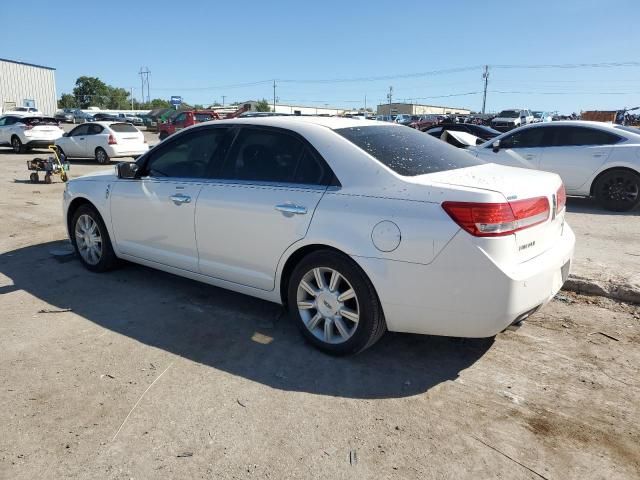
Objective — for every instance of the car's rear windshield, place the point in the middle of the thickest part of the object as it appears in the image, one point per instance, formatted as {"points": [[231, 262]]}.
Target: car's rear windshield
{"points": [[407, 151], [122, 127], [39, 121]]}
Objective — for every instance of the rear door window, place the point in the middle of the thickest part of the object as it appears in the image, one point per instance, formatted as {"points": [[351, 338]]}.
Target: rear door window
{"points": [[407, 151], [95, 129], [274, 155], [581, 136]]}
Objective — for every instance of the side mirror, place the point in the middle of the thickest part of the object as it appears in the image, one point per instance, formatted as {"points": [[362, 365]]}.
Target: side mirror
{"points": [[496, 146], [127, 170], [479, 141]]}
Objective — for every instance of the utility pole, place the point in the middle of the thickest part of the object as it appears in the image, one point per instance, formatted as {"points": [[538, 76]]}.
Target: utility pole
{"points": [[131, 98], [223, 97], [144, 78], [365, 104], [485, 75], [274, 96], [389, 97]]}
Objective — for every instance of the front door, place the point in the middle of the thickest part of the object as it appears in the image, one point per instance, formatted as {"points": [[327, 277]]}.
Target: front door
{"points": [[153, 217], [76, 143], [261, 203], [524, 148]]}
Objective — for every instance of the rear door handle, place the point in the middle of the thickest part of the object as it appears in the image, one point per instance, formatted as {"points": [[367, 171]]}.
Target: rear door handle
{"points": [[291, 209], [179, 199], [597, 155]]}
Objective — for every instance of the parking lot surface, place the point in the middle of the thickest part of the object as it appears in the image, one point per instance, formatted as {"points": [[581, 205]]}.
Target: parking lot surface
{"points": [[141, 374]]}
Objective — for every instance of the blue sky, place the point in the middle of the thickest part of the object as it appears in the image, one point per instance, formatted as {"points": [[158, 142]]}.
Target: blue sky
{"points": [[202, 50]]}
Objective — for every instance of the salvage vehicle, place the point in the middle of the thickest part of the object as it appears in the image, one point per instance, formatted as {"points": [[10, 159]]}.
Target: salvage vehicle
{"points": [[480, 131], [26, 132], [593, 159], [510, 119], [356, 226], [189, 118], [102, 141]]}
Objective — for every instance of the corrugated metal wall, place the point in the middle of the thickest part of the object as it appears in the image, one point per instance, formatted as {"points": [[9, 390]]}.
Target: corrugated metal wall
{"points": [[20, 82]]}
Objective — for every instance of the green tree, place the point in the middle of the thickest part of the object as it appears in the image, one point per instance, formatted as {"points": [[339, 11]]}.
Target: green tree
{"points": [[117, 98], [159, 103], [263, 106], [91, 91], [197, 106], [67, 101]]}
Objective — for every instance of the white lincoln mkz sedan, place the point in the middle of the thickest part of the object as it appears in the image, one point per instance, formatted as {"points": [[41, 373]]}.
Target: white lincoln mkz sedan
{"points": [[356, 226]]}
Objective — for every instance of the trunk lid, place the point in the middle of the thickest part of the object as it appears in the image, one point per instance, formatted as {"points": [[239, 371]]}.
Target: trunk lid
{"points": [[513, 184]]}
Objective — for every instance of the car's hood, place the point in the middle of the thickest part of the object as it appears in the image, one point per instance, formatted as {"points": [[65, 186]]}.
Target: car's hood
{"points": [[100, 176], [505, 119]]}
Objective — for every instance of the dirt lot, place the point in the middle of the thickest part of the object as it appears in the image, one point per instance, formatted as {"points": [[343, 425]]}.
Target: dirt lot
{"points": [[140, 374]]}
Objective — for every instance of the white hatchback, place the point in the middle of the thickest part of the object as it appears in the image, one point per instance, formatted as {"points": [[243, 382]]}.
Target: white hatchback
{"points": [[592, 158], [356, 226], [103, 141]]}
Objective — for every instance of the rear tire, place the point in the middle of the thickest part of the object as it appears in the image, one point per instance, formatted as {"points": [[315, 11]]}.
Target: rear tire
{"points": [[618, 190], [162, 136], [91, 241], [34, 178], [341, 316], [17, 145], [101, 156]]}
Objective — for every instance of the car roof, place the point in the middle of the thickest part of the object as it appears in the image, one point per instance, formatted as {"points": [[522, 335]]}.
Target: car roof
{"points": [[291, 121]]}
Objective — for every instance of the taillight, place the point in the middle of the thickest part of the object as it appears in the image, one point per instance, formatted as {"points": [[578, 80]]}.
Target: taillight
{"points": [[27, 127], [561, 199], [112, 139], [498, 219]]}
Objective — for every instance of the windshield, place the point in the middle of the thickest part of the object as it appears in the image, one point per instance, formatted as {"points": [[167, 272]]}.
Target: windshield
{"points": [[537, 114], [407, 151], [509, 114], [35, 121]]}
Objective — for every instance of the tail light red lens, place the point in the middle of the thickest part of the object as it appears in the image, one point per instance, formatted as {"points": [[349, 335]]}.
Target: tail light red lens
{"points": [[561, 199], [112, 139], [498, 219]]}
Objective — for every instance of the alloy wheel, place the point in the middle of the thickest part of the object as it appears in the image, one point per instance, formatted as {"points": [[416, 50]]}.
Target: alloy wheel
{"points": [[621, 188], [88, 239], [328, 305]]}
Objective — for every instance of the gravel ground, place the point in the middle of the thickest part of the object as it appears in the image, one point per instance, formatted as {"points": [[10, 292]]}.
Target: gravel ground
{"points": [[140, 374]]}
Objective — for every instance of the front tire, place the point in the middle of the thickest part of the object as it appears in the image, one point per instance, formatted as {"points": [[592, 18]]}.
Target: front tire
{"points": [[334, 304], [101, 156], [618, 190], [91, 241]]}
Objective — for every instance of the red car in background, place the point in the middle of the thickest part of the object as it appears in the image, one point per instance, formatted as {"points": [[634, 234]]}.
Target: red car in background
{"points": [[426, 121], [192, 117]]}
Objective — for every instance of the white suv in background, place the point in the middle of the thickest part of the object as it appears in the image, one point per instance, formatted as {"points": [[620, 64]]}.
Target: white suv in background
{"points": [[512, 118], [26, 132], [103, 141]]}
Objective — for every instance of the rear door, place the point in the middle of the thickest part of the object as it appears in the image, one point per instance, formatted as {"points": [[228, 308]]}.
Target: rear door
{"points": [[260, 203], [153, 217], [576, 153]]}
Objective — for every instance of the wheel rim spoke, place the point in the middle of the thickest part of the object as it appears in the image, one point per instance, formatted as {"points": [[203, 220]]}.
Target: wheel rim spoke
{"points": [[333, 282], [341, 327], [308, 288], [349, 315], [304, 305], [317, 273], [348, 295], [328, 330], [313, 323]]}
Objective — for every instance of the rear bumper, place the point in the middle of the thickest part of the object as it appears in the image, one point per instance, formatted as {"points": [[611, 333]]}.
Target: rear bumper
{"points": [[463, 293], [115, 151], [39, 143]]}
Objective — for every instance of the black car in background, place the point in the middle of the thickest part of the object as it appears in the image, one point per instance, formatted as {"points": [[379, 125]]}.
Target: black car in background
{"points": [[106, 117]]}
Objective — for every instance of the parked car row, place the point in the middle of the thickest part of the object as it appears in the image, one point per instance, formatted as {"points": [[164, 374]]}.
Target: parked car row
{"points": [[75, 115]]}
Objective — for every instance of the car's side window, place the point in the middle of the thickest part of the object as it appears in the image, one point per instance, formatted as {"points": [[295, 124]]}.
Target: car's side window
{"points": [[582, 136], [2, 120], [188, 156], [180, 118], [263, 155], [95, 129], [9, 121], [78, 131], [529, 138]]}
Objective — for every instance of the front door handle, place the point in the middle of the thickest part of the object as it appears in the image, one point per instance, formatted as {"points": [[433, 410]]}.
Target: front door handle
{"points": [[598, 155], [291, 209], [179, 198]]}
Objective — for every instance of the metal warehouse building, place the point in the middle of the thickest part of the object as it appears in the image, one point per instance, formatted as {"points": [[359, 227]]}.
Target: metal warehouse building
{"points": [[28, 85], [418, 109]]}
